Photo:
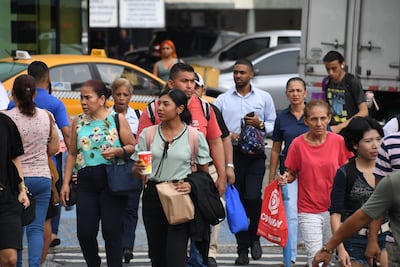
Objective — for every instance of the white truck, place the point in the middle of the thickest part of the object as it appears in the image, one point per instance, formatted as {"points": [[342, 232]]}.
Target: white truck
{"points": [[367, 33]]}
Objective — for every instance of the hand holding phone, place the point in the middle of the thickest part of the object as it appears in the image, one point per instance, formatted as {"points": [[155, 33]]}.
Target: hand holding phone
{"points": [[250, 114]]}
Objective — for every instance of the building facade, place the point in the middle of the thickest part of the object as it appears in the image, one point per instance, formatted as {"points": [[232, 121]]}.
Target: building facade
{"points": [[55, 26]]}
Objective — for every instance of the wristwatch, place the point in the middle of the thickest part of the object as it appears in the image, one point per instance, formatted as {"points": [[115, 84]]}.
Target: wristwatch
{"points": [[325, 249], [261, 126]]}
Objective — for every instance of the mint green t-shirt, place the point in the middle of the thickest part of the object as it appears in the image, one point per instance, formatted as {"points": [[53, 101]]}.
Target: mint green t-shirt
{"points": [[177, 163]]}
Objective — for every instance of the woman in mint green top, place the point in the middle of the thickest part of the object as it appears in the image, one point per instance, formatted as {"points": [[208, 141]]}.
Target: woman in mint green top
{"points": [[171, 160], [94, 143]]}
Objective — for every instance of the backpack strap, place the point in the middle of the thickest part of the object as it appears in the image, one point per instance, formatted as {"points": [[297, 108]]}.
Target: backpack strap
{"points": [[351, 175], [205, 106], [325, 82], [137, 113], [193, 142], [150, 132], [116, 119], [194, 146], [151, 110]]}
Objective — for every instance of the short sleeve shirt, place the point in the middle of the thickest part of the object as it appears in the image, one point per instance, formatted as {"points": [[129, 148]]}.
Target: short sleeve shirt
{"points": [[93, 137], [34, 133], [388, 159], [344, 98], [11, 148], [316, 168], [177, 164], [286, 128], [46, 101], [209, 128], [386, 198]]}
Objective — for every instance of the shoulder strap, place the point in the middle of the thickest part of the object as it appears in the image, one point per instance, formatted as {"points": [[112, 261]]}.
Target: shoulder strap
{"points": [[150, 132], [116, 119], [351, 175], [194, 145], [325, 82], [151, 110], [206, 108], [137, 113]]}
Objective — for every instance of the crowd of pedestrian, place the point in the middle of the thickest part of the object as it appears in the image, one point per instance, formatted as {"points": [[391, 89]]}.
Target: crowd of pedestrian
{"points": [[327, 155]]}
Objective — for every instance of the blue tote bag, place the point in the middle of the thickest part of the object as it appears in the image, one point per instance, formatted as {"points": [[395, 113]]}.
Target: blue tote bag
{"points": [[236, 215]]}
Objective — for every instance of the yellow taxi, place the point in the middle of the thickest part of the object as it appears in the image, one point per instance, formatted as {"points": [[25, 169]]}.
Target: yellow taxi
{"points": [[69, 72]]}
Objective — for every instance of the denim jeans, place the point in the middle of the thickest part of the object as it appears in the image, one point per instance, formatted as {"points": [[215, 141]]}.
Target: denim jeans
{"points": [[40, 187], [195, 258], [291, 216], [315, 229]]}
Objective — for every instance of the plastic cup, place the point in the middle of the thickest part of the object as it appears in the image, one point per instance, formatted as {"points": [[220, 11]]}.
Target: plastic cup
{"points": [[145, 157]]}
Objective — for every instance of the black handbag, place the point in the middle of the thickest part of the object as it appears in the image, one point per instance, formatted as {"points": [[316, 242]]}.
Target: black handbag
{"points": [[28, 214], [119, 176]]}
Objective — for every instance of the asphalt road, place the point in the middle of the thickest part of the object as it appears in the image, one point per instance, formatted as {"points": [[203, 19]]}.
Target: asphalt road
{"points": [[69, 254]]}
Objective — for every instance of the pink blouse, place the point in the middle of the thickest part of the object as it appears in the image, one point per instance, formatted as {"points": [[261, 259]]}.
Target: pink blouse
{"points": [[34, 133]]}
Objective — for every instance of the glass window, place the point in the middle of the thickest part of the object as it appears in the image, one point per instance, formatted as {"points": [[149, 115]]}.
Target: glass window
{"points": [[282, 63], [247, 48], [70, 76], [288, 40], [8, 69], [142, 84]]}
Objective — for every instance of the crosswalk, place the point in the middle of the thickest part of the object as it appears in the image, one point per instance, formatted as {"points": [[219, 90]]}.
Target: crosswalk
{"points": [[73, 257]]}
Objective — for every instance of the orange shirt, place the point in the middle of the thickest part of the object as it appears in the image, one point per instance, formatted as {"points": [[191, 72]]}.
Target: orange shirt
{"points": [[209, 128]]}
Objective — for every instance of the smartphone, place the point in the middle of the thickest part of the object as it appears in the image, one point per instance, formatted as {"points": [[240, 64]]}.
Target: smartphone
{"points": [[251, 114]]}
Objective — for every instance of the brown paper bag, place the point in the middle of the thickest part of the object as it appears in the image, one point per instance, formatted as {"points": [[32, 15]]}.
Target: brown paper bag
{"points": [[178, 207]]}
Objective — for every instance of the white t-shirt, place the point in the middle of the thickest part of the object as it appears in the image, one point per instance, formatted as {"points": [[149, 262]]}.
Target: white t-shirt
{"points": [[391, 126], [3, 98]]}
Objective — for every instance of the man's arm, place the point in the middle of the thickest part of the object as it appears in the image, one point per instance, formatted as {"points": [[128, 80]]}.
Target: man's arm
{"points": [[66, 132], [228, 149], [362, 112], [217, 154], [373, 251], [351, 225], [343, 256]]}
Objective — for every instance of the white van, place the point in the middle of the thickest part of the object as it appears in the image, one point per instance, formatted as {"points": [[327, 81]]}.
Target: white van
{"points": [[244, 46]]}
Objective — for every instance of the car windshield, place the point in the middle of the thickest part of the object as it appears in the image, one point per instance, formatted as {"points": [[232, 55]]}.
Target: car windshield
{"points": [[9, 69]]}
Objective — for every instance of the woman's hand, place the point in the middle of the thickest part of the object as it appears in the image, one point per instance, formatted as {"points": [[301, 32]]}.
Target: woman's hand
{"points": [[23, 199], [343, 257], [183, 187], [112, 152], [138, 170], [64, 194], [283, 179]]}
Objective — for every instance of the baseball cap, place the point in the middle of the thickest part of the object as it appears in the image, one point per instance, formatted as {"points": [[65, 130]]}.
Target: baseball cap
{"points": [[198, 79]]}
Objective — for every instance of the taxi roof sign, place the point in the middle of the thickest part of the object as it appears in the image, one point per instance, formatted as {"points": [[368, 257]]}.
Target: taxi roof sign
{"points": [[22, 54], [98, 52]]}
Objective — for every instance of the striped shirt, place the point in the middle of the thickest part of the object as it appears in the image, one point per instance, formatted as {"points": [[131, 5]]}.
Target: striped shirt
{"points": [[388, 159]]}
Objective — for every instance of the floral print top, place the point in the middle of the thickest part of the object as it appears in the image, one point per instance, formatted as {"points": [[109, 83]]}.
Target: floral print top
{"points": [[94, 136]]}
